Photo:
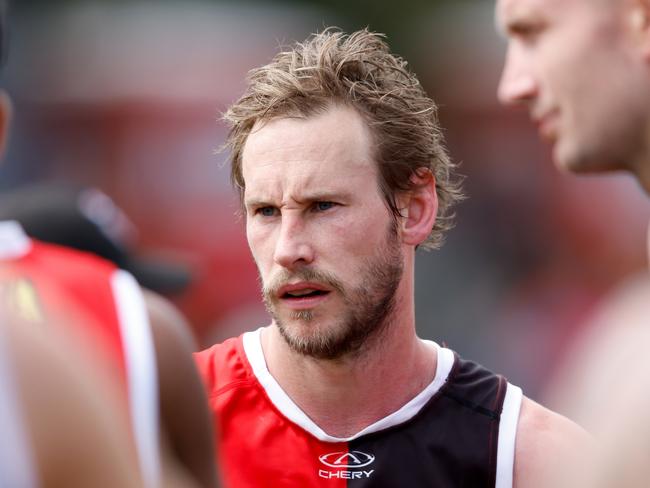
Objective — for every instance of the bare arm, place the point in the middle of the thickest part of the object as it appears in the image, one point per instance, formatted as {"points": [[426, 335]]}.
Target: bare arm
{"points": [[185, 419], [78, 437]]}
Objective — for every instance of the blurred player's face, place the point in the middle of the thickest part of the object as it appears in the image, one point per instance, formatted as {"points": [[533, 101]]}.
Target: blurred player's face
{"points": [[580, 67], [327, 248]]}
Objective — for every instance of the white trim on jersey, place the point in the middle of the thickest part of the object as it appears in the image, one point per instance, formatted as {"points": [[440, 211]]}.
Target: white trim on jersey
{"points": [[16, 461], [140, 359], [14, 243], [507, 436], [282, 401]]}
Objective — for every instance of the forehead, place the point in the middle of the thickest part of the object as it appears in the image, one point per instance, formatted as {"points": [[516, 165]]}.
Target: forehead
{"points": [[515, 17], [328, 148], [512, 12]]}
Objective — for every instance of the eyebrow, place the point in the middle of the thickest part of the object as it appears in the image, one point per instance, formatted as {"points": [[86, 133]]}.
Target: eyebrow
{"points": [[323, 196], [518, 20], [256, 203]]}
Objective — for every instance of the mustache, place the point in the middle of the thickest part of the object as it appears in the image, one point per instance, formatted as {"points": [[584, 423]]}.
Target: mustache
{"points": [[272, 287]]}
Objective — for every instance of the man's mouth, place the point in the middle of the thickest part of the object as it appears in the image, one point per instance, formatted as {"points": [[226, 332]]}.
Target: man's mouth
{"points": [[547, 126], [307, 292], [303, 295]]}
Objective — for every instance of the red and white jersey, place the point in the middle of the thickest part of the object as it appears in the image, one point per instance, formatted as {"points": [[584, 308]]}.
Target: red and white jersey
{"points": [[99, 308], [459, 431]]}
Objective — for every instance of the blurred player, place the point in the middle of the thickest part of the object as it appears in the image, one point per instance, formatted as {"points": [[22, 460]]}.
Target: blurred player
{"points": [[342, 170], [103, 317], [59, 423], [582, 69]]}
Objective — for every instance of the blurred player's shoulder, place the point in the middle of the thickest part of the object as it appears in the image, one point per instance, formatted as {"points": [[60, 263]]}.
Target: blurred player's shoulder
{"points": [[224, 365], [611, 351], [20, 252], [548, 446], [57, 256]]}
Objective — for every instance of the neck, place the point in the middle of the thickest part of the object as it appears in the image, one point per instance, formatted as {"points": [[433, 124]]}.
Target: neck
{"points": [[345, 395], [640, 166]]}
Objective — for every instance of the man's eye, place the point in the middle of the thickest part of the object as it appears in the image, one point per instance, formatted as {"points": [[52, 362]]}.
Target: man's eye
{"points": [[526, 31], [322, 206], [266, 211]]}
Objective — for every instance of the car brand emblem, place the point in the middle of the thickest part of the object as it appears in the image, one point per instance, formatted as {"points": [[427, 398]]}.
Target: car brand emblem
{"points": [[344, 459]]}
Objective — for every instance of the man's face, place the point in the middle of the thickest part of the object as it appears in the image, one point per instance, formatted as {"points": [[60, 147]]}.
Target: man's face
{"points": [[327, 249], [577, 66]]}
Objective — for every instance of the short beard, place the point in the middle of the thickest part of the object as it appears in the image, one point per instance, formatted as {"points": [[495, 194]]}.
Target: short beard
{"points": [[369, 308]]}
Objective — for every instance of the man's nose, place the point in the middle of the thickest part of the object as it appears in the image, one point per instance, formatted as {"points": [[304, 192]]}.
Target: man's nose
{"points": [[293, 247], [517, 84]]}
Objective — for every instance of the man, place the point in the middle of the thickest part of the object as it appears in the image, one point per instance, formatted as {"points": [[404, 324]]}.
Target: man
{"points": [[133, 340], [128, 347], [340, 162], [582, 69]]}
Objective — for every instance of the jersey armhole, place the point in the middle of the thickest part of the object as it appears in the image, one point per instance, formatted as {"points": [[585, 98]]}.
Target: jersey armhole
{"points": [[507, 436], [142, 373]]}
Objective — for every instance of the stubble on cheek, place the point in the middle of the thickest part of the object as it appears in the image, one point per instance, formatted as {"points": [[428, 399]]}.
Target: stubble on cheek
{"points": [[367, 309]]}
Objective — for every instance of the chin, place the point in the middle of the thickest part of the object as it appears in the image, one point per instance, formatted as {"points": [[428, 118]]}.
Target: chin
{"points": [[303, 324], [588, 157], [571, 160]]}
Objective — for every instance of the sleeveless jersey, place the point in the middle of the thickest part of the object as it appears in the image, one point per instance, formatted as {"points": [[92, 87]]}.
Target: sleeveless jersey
{"points": [[101, 309], [458, 432]]}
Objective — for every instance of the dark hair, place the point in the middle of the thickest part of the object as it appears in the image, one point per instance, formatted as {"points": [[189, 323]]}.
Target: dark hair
{"points": [[357, 70]]}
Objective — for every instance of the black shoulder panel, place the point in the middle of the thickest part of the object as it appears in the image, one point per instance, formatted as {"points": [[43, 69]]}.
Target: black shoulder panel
{"points": [[451, 442]]}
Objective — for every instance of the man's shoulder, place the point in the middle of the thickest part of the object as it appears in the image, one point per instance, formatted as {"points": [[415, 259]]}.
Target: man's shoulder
{"points": [[548, 446], [219, 351], [475, 384], [224, 366]]}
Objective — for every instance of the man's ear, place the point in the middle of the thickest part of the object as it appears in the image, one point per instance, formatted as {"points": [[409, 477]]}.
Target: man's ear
{"points": [[6, 111], [419, 208]]}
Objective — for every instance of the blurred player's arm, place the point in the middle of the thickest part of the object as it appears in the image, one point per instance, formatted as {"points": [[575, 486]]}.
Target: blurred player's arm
{"points": [[185, 419], [548, 448], [76, 438]]}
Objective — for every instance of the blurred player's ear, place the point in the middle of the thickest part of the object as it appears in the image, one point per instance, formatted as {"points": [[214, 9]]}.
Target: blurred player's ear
{"points": [[5, 121], [419, 208]]}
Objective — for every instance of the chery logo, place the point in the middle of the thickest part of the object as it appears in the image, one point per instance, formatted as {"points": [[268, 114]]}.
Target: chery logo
{"points": [[352, 459], [347, 461]]}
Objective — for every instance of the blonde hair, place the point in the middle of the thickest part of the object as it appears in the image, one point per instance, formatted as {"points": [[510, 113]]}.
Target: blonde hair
{"points": [[357, 70]]}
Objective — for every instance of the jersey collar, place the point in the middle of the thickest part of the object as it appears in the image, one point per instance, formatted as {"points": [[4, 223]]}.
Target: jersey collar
{"points": [[282, 401], [14, 243]]}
